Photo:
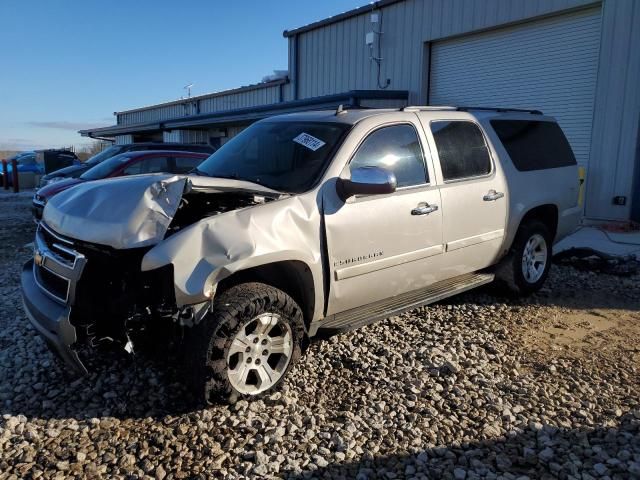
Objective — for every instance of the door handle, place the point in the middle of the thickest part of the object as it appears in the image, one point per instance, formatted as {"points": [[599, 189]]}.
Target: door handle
{"points": [[492, 195], [424, 208]]}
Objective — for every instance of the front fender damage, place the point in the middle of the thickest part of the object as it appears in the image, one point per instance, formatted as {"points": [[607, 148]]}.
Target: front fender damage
{"points": [[207, 252]]}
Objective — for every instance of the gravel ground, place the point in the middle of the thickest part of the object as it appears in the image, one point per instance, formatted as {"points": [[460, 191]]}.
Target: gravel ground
{"points": [[477, 387]]}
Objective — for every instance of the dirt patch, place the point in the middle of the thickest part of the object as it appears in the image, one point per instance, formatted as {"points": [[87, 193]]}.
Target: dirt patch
{"points": [[612, 330]]}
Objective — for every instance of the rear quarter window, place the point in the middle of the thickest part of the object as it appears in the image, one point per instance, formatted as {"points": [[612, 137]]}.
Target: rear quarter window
{"points": [[534, 145]]}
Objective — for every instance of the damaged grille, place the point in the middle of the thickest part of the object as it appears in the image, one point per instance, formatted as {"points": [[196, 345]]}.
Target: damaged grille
{"points": [[104, 286], [57, 265]]}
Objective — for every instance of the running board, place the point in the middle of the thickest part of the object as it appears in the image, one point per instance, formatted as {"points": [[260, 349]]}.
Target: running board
{"points": [[360, 316]]}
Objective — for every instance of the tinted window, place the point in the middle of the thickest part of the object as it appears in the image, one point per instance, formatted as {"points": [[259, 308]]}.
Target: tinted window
{"points": [[134, 168], [155, 165], [534, 145], [287, 156], [396, 149], [105, 168], [186, 164], [461, 148]]}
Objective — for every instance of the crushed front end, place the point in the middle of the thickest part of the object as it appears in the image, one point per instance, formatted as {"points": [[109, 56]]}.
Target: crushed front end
{"points": [[77, 293]]}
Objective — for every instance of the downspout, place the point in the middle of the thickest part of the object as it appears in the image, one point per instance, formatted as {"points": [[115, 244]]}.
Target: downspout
{"points": [[296, 67]]}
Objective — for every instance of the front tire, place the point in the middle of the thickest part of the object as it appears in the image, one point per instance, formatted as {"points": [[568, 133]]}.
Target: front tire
{"points": [[524, 270], [246, 345]]}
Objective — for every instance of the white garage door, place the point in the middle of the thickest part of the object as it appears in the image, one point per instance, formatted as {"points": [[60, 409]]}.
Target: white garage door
{"points": [[548, 65]]}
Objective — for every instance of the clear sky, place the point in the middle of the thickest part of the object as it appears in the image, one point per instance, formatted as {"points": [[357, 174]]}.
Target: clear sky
{"points": [[69, 64]]}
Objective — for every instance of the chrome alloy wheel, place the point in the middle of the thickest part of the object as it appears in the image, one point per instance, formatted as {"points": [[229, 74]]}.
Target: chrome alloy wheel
{"points": [[259, 354], [534, 258]]}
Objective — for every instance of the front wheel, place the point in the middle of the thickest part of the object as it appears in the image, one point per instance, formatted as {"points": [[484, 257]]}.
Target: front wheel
{"points": [[524, 270], [246, 345]]}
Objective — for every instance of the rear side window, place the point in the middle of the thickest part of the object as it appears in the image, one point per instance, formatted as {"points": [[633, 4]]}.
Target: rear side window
{"points": [[186, 164], [155, 165], [534, 145], [397, 149], [462, 150]]}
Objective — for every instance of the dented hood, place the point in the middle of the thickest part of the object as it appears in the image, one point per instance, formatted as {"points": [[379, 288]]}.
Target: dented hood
{"points": [[127, 212]]}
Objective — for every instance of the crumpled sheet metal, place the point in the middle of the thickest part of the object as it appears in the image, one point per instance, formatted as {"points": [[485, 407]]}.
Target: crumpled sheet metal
{"points": [[127, 212], [208, 251]]}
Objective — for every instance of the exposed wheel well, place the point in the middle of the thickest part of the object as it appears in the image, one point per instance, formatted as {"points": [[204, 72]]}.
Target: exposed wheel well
{"points": [[547, 214], [292, 277]]}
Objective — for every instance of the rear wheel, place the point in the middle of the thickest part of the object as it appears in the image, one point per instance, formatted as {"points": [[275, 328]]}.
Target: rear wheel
{"points": [[246, 345], [524, 270]]}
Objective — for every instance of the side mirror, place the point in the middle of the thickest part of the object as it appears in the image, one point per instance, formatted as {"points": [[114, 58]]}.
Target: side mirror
{"points": [[367, 181]]}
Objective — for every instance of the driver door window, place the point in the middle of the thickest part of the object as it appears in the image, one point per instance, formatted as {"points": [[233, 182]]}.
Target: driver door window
{"points": [[396, 149]]}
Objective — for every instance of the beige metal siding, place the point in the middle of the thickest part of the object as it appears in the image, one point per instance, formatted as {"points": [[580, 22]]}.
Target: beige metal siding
{"points": [[260, 95], [123, 139], [335, 59], [549, 65], [617, 113]]}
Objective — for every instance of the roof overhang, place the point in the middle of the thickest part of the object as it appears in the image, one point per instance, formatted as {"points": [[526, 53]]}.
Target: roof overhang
{"points": [[340, 17], [246, 115]]}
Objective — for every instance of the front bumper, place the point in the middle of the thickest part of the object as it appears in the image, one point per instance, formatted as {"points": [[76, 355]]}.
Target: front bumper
{"points": [[51, 320]]}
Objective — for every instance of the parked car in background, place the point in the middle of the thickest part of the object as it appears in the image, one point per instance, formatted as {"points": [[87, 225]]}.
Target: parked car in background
{"points": [[26, 163], [76, 170], [130, 163], [41, 162]]}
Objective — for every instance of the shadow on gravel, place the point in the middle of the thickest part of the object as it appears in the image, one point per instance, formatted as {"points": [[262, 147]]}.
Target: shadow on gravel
{"points": [[117, 385], [537, 451]]}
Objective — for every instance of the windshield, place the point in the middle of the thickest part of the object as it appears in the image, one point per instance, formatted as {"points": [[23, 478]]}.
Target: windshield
{"points": [[103, 155], [283, 156], [106, 168]]}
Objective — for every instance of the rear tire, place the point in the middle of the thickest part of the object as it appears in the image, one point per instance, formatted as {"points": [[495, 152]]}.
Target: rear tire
{"points": [[526, 267], [246, 345]]}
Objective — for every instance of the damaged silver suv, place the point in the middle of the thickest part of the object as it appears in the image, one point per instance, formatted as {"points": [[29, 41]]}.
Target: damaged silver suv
{"points": [[308, 221]]}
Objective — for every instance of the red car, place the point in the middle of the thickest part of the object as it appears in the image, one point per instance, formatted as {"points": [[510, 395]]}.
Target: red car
{"points": [[130, 163]]}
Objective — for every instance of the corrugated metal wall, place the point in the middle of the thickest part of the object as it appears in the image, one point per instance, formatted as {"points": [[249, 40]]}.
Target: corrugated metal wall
{"points": [[186, 136], [260, 95], [617, 113], [334, 58], [123, 139]]}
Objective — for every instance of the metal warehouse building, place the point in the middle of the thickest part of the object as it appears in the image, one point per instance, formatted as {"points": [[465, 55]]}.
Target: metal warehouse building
{"points": [[577, 60]]}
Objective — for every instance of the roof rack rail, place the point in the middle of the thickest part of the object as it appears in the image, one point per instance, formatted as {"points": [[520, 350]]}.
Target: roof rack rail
{"points": [[499, 109], [425, 108]]}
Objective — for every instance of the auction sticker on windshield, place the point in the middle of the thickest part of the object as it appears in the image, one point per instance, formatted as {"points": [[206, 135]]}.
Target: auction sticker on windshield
{"points": [[309, 141]]}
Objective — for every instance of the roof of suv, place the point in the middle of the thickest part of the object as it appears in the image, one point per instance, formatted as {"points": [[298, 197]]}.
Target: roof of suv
{"points": [[354, 115]]}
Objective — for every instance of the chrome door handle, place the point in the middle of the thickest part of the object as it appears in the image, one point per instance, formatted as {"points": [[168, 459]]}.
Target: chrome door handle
{"points": [[492, 195], [424, 208]]}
